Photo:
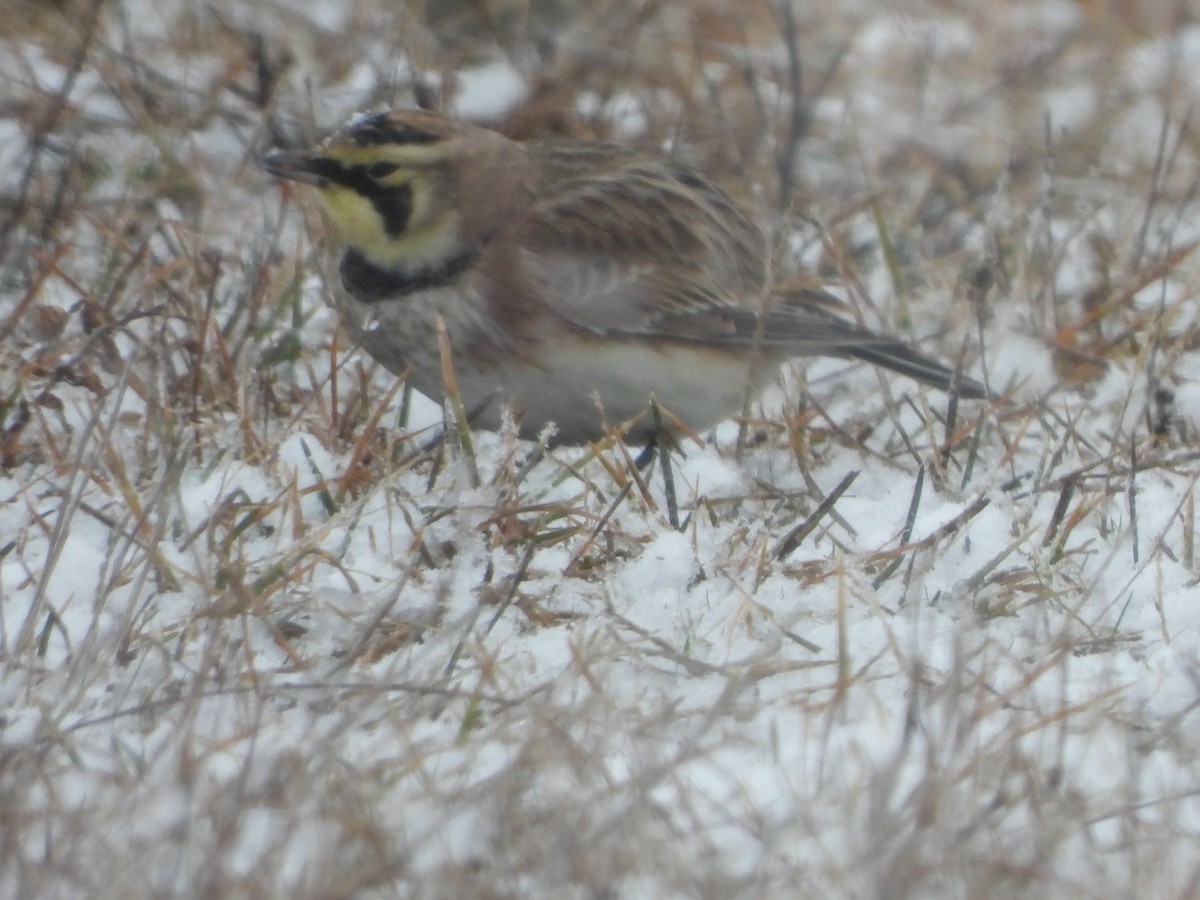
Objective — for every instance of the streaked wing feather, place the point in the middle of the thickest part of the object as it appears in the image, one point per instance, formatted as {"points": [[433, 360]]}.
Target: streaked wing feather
{"points": [[644, 248], [608, 297], [652, 252]]}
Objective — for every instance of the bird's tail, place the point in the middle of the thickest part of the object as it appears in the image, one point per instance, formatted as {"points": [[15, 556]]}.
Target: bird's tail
{"points": [[900, 357], [811, 321]]}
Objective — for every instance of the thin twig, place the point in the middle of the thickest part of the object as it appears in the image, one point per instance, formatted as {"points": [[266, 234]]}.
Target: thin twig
{"points": [[793, 538]]}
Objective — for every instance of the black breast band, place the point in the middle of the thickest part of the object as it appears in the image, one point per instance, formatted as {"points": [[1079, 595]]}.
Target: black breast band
{"points": [[374, 284]]}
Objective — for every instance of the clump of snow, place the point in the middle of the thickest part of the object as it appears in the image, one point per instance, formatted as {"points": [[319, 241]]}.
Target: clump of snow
{"points": [[488, 92]]}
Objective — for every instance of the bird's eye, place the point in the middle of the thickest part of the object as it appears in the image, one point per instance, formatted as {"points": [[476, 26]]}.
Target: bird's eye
{"points": [[381, 170]]}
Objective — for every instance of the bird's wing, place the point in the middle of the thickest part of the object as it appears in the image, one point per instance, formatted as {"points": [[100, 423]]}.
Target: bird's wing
{"points": [[646, 247], [652, 249], [608, 269]]}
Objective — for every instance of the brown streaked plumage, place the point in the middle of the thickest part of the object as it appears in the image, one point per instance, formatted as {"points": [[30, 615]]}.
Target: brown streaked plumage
{"points": [[571, 276]]}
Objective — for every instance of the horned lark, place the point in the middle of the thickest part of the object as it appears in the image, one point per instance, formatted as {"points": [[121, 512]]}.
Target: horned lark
{"points": [[575, 280]]}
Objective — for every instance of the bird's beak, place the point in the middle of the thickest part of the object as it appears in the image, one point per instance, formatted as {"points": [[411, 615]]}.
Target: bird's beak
{"points": [[294, 166]]}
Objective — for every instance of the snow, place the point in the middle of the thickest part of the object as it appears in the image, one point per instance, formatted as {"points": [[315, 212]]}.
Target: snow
{"points": [[489, 92]]}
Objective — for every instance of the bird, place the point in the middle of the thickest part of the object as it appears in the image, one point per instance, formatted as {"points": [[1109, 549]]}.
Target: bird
{"points": [[573, 280]]}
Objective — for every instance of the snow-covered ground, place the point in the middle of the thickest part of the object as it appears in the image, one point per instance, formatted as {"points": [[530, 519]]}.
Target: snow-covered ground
{"points": [[262, 635]]}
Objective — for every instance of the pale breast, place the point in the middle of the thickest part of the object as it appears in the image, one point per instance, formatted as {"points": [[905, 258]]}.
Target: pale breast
{"points": [[553, 371]]}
